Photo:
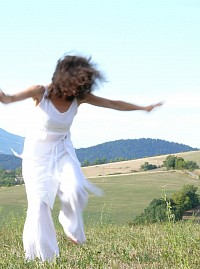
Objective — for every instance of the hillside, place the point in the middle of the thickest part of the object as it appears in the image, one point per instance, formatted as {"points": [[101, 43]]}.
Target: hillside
{"points": [[9, 162], [8, 141], [128, 149], [131, 166]]}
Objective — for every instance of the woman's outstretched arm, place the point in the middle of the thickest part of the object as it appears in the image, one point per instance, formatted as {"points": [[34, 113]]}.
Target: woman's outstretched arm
{"points": [[36, 92], [117, 105]]}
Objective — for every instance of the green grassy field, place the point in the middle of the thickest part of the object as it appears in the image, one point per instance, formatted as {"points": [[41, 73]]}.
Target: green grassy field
{"points": [[111, 242], [108, 246], [125, 196]]}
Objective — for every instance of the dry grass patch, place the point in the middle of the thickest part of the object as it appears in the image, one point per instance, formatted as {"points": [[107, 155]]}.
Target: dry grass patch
{"points": [[132, 166]]}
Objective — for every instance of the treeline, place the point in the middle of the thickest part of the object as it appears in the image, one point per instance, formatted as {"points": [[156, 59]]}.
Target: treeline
{"points": [[178, 163], [169, 209], [14, 177], [172, 162], [114, 151], [98, 161], [10, 178], [128, 149]]}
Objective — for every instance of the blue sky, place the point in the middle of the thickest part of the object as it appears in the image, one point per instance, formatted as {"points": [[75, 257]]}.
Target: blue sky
{"points": [[148, 49]]}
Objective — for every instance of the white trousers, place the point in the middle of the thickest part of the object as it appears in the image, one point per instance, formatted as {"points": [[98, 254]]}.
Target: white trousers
{"points": [[39, 235]]}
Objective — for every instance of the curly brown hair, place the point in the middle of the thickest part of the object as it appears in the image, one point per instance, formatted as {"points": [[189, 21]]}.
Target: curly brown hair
{"points": [[74, 76]]}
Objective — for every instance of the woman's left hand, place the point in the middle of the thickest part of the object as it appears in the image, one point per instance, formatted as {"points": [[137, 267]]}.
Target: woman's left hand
{"points": [[151, 107]]}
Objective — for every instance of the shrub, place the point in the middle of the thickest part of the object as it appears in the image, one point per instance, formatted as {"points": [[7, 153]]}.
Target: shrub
{"points": [[186, 198], [157, 211], [174, 162], [147, 166]]}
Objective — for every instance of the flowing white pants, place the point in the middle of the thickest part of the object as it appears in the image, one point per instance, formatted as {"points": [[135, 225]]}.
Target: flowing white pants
{"points": [[39, 236]]}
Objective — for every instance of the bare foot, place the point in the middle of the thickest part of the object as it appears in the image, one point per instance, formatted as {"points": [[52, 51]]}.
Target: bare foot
{"points": [[72, 239]]}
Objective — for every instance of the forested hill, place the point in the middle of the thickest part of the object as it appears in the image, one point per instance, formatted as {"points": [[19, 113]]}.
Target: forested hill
{"points": [[129, 149], [107, 152], [9, 162]]}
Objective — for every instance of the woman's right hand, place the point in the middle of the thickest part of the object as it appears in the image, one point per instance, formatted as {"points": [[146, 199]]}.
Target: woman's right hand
{"points": [[4, 98]]}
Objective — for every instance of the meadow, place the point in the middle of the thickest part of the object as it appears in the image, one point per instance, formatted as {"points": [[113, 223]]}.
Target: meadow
{"points": [[109, 246], [125, 196], [111, 242]]}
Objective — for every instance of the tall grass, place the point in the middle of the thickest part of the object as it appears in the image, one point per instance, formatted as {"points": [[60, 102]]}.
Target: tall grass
{"points": [[162, 245], [111, 242]]}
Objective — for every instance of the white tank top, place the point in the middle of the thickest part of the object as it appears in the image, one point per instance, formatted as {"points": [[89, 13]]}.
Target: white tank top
{"points": [[52, 127]]}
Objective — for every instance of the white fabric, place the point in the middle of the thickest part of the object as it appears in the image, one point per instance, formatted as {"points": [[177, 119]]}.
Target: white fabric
{"points": [[50, 167]]}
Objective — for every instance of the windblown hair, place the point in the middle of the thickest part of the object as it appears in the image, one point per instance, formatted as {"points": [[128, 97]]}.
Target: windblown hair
{"points": [[74, 76]]}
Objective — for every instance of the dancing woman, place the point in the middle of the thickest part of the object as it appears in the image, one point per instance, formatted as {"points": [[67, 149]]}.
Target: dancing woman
{"points": [[50, 166]]}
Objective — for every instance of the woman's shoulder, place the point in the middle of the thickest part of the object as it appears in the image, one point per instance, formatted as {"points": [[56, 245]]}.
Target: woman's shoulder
{"points": [[38, 93], [86, 99]]}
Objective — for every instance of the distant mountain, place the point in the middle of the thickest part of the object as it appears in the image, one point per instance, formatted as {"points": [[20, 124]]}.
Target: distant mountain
{"points": [[130, 149], [110, 151], [8, 141], [10, 162]]}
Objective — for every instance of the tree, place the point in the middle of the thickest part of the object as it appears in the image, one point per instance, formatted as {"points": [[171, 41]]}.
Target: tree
{"points": [[186, 198], [180, 163], [155, 212], [99, 161], [170, 162], [7, 178], [174, 162], [181, 200], [191, 165], [11, 177], [147, 166], [85, 163]]}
